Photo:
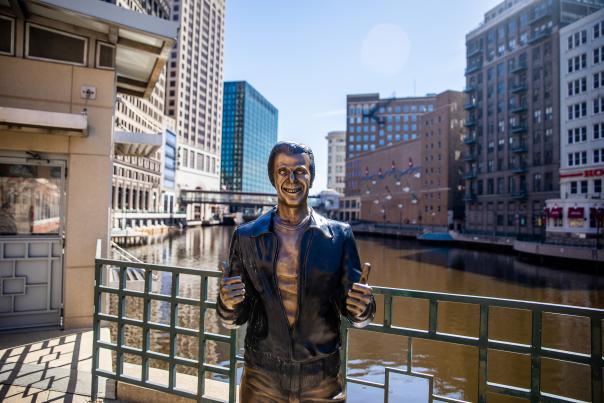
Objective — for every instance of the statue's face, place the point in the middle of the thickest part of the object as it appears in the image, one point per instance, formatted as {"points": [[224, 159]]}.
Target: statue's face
{"points": [[292, 178]]}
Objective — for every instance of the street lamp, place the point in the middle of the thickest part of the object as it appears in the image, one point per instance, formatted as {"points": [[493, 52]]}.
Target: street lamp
{"points": [[400, 215]]}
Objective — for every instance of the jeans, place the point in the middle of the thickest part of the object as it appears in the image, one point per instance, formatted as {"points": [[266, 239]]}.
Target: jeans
{"points": [[263, 386]]}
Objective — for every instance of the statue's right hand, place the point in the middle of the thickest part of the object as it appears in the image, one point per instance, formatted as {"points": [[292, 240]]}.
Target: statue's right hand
{"points": [[232, 289]]}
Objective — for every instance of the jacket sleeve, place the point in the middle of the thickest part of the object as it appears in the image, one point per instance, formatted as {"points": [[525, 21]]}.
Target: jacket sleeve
{"points": [[351, 273], [233, 318]]}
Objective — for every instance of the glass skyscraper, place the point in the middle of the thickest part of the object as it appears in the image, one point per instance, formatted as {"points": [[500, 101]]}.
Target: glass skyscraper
{"points": [[249, 131]]}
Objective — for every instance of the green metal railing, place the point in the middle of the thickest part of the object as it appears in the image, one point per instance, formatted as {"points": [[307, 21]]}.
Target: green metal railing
{"points": [[146, 324], [483, 343], [535, 350]]}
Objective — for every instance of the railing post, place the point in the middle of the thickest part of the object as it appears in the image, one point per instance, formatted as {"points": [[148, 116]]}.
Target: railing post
{"points": [[596, 360], [146, 318], [233, 366], [96, 328], [387, 311], [433, 316], [203, 291], [536, 356], [173, 317], [120, 320], [483, 343]]}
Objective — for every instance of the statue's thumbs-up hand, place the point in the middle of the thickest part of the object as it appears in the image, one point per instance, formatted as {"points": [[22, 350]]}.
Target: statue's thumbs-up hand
{"points": [[359, 296], [232, 289]]}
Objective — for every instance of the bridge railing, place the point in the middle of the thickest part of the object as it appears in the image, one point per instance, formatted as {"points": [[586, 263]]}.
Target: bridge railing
{"points": [[486, 345], [483, 343], [146, 325]]}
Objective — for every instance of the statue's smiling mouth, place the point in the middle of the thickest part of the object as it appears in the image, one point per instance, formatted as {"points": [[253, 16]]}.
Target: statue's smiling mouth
{"points": [[291, 190]]}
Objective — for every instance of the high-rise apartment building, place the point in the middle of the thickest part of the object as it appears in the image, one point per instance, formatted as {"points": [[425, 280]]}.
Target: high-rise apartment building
{"points": [[194, 96], [336, 160], [139, 128], [513, 86], [441, 134], [374, 123], [579, 210], [249, 131]]}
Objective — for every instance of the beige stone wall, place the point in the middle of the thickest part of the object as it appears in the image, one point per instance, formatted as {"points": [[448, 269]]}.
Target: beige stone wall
{"points": [[55, 87]]}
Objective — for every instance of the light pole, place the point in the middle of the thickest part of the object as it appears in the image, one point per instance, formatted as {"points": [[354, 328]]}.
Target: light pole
{"points": [[400, 215]]}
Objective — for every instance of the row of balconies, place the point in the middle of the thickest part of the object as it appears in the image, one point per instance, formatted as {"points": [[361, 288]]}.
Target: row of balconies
{"points": [[522, 194]]}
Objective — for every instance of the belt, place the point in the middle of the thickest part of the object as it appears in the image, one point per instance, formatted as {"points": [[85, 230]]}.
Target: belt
{"points": [[327, 366]]}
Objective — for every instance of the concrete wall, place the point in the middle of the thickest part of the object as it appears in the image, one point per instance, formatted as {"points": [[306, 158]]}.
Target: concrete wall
{"points": [[55, 87]]}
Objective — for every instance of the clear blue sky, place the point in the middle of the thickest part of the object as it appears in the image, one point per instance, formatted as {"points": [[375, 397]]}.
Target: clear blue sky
{"points": [[306, 56]]}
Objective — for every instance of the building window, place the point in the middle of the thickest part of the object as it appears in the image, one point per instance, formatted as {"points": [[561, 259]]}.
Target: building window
{"points": [[573, 187], [584, 187], [7, 35], [598, 105], [598, 29], [105, 56], [598, 186], [598, 131], [598, 54], [598, 155], [577, 135], [50, 44], [599, 79]]}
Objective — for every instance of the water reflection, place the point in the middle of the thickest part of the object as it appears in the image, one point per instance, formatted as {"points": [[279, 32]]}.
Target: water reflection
{"points": [[405, 264]]}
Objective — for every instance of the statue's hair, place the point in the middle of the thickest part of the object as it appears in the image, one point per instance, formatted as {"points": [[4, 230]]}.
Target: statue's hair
{"points": [[290, 148]]}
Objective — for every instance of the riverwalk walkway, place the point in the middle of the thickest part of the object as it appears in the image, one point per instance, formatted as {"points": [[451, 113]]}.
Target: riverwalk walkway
{"points": [[50, 366]]}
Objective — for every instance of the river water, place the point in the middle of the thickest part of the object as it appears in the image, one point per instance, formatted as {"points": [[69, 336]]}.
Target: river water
{"points": [[408, 264]]}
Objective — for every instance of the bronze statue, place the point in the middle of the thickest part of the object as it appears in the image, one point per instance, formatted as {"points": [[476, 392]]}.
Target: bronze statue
{"points": [[291, 274]]}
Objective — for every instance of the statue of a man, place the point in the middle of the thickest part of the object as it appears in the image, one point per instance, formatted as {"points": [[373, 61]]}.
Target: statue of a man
{"points": [[291, 274]]}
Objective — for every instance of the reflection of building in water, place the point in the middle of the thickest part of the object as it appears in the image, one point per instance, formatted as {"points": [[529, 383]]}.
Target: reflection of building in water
{"points": [[30, 199]]}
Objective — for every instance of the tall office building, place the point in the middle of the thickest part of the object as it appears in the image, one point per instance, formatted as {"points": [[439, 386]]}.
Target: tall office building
{"points": [[249, 131], [579, 210], [139, 128], [336, 160], [194, 96], [372, 124], [513, 87]]}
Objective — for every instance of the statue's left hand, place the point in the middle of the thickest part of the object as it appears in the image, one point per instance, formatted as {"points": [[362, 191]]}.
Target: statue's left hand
{"points": [[357, 299]]}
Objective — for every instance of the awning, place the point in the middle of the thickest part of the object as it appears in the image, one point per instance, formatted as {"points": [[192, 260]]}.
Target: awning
{"points": [[67, 124], [576, 212], [596, 213], [555, 212], [136, 144]]}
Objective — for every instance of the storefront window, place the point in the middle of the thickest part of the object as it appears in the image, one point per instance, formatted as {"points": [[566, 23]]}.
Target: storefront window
{"points": [[30, 199]]}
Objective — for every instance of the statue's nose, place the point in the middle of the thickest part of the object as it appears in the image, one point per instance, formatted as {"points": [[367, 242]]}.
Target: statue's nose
{"points": [[292, 176]]}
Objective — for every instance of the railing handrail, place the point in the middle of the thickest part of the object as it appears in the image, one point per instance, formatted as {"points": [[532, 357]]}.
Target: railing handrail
{"points": [[158, 267], [493, 301]]}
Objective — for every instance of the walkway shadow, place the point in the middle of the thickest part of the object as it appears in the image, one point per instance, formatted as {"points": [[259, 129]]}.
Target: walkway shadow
{"points": [[52, 365]]}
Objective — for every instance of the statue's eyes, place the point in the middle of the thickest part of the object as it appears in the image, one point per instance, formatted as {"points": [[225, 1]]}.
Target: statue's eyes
{"points": [[282, 171], [300, 171]]}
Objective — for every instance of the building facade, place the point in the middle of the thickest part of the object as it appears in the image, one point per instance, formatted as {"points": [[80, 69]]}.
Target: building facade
{"points": [[194, 97], [57, 145], [579, 210], [441, 134], [513, 113], [139, 128], [249, 131], [336, 161], [373, 123]]}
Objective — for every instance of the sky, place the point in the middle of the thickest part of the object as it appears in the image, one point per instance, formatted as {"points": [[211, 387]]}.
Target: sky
{"points": [[306, 56]]}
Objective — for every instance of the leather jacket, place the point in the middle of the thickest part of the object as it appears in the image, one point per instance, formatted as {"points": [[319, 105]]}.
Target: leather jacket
{"points": [[329, 266]]}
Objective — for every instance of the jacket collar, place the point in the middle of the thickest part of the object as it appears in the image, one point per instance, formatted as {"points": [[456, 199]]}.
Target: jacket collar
{"points": [[264, 224]]}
